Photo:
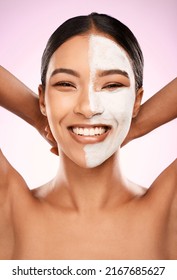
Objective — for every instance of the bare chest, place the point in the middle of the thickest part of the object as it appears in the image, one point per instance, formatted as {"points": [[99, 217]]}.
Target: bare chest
{"points": [[121, 238]]}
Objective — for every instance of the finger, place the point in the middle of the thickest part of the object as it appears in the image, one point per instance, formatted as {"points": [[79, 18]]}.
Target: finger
{"points": [[50, 137], [124, 143], [54, 150], [49, 134], [47, 128]]}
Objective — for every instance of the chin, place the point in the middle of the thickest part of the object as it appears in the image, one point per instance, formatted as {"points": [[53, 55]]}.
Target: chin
{"points": [[85, 165], [79, 162], [90, 166]]}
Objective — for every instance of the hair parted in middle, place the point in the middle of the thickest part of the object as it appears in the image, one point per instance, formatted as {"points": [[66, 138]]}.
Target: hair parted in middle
{"points": [[104, 24]]}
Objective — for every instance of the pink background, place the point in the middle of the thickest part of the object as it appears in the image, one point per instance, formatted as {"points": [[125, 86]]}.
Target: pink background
{"points": [[24, 30]]}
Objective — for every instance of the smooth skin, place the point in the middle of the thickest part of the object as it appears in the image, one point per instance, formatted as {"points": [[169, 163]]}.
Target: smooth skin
{"points": [[156, 111], [110, 218]]}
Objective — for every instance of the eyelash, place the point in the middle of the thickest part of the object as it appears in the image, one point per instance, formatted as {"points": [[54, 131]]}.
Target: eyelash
{"points": [[64, 84], [108, 86], [113, 86]]}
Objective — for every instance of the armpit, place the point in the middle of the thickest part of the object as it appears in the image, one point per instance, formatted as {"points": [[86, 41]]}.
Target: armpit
{"points": [[9, 177]]}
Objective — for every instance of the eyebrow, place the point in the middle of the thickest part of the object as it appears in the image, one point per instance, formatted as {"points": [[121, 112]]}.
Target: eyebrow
{"points": [[101, 74], [66, 71], [112, 72]]}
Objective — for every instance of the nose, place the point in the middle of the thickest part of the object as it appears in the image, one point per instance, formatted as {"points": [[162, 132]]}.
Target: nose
{"points": [[89, 105]]}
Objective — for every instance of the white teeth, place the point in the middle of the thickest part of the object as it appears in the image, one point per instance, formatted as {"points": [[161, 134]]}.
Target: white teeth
{"points": [[77, 130], [96, 130], [92, 132], [80, 131], [86, 132], [89, 131]]}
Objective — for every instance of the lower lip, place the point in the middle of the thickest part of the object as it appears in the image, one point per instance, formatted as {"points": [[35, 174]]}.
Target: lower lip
{"points": [[89, 139]]}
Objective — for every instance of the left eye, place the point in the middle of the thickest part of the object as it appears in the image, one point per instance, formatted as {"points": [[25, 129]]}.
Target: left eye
{"points": [[112, 86], [64, 84]]}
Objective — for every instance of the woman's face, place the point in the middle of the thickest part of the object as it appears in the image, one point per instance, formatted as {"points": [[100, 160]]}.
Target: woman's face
{"points": [[89, 98]]}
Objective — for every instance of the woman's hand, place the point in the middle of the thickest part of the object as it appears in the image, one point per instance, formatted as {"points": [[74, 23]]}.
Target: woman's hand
{"points": [[156, 111], [129, 137], [133, 133], [43, 128], [22, 101]]}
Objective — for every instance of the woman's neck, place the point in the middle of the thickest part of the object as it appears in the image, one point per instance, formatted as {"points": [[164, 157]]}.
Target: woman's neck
{"points": [[88, 189]]}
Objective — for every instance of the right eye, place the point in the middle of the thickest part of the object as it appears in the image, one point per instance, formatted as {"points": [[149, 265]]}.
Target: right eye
{"points": [[65, 86]]}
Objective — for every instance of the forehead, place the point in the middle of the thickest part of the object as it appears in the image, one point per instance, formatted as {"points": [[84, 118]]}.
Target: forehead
{"points": [[96, 51], [104, 53]]}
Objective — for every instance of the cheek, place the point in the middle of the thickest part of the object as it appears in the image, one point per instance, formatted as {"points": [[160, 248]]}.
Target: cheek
{"points": [[54, 112], [118, 105], [58, 106]]}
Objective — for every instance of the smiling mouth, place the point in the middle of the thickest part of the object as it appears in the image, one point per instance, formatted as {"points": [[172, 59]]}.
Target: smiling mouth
{"points": [[90, 134], [93, 131]]}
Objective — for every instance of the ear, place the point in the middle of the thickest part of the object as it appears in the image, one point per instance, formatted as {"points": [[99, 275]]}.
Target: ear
{"points": [[42, 100], [137, 104]]}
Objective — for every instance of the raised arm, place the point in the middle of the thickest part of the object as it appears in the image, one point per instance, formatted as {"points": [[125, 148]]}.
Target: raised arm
{"points": [[20, 100], [156, 111]]}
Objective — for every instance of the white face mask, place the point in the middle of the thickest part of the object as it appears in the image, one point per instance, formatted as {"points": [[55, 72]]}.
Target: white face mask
{"points": [[116, 105], [90, 111]]}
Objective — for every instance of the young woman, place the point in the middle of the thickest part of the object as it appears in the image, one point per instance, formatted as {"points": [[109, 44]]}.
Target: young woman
{"points": [[92, 71]]}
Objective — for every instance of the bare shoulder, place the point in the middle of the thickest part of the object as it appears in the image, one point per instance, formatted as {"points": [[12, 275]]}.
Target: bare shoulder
{"points": [[10, 177], [162, 198], [14, 194], [162, 194], [166, 182], [13, 188], [170, 179]]}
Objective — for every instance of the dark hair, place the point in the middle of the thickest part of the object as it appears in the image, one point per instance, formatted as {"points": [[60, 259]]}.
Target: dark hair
{"points": [[120, 33]]}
